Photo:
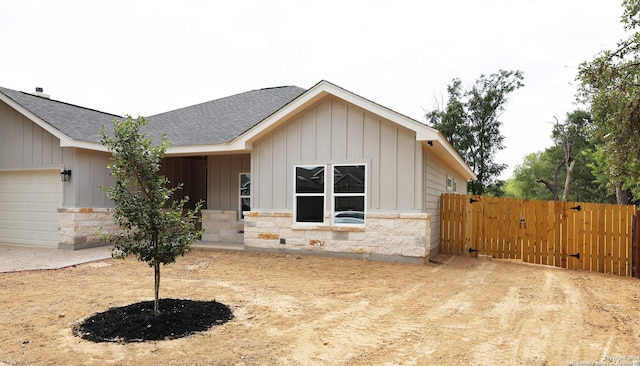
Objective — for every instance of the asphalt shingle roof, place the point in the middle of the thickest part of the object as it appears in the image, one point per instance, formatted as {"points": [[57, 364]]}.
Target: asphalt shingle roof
{"points": [[222, 120], [78, 123], [214, 122]]}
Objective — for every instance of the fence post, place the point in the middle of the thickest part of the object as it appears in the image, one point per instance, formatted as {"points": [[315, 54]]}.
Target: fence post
{"points": [[635, 256]]}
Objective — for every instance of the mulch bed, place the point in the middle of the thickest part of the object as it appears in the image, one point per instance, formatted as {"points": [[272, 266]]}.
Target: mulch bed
{"points": [[137, 323]]}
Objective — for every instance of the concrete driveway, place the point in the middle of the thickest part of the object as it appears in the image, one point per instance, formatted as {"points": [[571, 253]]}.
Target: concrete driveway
{"points": [[22, 258]]}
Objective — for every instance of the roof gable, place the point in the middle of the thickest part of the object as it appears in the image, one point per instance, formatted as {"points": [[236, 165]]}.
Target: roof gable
{"points": [[73, 125], [434, 141]]}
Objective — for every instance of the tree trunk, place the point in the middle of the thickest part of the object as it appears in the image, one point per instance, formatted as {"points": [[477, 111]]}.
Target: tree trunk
{"points": [[622, 195], [156, 302], [551, 187], [567, 181]]}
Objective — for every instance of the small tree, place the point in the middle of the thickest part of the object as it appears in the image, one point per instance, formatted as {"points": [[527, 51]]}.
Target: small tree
{"points": [[155, 229]]}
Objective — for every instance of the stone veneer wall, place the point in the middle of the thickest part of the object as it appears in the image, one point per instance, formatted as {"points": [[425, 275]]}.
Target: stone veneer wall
{"points": [[386, 236], [222, 226], [78, 227]]}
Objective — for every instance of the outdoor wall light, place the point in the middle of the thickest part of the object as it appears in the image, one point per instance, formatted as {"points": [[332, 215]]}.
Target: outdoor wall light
{"points": [[65, 175]]}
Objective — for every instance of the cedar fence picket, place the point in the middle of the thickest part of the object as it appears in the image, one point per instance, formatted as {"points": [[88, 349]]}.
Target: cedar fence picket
{"points": [[572, 235]]}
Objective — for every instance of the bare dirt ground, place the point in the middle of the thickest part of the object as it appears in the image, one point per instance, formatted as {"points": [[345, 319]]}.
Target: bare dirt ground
{"points": [[306, 310]]}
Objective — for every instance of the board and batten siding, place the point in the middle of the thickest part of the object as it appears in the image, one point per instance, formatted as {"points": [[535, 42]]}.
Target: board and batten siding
{"points": [[88, 172], [223, 179], [25, 145], [435, 173], [335, 132]]}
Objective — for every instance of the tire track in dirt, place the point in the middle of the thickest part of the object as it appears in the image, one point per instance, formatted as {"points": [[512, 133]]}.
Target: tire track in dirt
{"points": [[420, 342], [355, 330], [537, 327]]}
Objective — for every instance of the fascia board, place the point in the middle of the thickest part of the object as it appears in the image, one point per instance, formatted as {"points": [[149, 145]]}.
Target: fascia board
{"points": [[445, 151], [235, 147], [94, 146]]}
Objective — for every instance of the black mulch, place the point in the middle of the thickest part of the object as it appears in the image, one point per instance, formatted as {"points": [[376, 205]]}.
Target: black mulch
{"points": [[136, 322]]}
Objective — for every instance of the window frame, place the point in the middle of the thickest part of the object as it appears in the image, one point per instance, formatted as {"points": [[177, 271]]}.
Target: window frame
{"points": [[348, 194], [241, 196], [296, 194], [448, 183]]}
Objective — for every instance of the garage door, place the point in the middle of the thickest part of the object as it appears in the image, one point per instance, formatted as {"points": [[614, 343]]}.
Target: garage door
{"points": [[29, 203]]}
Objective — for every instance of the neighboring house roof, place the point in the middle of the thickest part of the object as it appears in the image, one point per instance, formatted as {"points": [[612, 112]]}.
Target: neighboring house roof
{"points": [[66, 121], [222, 120]]}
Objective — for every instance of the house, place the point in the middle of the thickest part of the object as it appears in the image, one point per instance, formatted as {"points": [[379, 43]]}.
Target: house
{"points": [[284, 169]]}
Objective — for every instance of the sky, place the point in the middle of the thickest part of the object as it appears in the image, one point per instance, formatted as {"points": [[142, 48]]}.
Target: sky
{"points": [[143, 57]]}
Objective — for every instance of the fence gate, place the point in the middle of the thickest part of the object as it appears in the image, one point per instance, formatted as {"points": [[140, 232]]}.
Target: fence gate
{"points": [[573, 235]]}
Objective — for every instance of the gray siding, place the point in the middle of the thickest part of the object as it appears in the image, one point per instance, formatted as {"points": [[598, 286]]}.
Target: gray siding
{"points": [[223, 176], [435, 173], [88, 172], [25, 145], [336, 132]]}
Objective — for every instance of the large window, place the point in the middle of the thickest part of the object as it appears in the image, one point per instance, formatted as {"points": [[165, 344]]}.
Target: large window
{"points": [[245, 194], [310, 193], [347, 194]]}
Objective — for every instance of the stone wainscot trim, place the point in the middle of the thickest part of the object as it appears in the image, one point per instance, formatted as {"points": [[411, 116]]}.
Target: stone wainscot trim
{"points": [[78, 227], [386, 236]]}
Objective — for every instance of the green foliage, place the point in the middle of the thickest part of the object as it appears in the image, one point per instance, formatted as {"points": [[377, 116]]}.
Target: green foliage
{"points": [[155, 229], [609, 83], [535, 166], [587, 182], [470, 123]]}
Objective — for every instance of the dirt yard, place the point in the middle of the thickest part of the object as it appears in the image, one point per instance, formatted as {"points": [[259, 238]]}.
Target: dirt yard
{"points": [[292, 310]]}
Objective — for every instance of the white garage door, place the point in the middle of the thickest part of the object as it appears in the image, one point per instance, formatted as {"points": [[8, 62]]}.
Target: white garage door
{"points": [[29, 203]]}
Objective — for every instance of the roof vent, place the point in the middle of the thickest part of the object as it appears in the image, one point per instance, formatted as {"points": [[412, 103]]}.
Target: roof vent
{"points": [[40, 93]]}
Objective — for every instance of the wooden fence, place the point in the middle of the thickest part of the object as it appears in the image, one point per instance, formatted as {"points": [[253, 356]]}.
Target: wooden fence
{"points": [[573, 235]]}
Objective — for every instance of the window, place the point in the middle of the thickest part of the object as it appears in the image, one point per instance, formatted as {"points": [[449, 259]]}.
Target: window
{"points": [[309, 193], [245, 194], [449, 184], [349, 194]]}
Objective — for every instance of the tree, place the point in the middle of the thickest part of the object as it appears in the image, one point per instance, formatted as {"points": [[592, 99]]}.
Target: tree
{"points": [[568, 170], [609, 84], [470, 123], [155, 229], [570, 138], [526, 176]]}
